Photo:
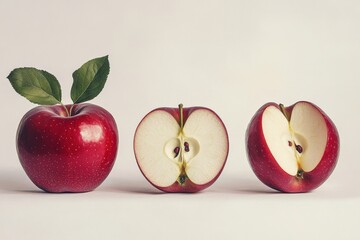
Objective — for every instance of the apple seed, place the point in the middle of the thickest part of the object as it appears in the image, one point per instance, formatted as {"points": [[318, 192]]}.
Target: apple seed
{"points": [[176, 151], [186, 146], [299, 148]]}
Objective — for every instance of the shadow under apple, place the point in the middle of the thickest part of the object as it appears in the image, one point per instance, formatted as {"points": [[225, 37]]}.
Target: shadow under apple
{"points": [[17, 181], [129, 185]]}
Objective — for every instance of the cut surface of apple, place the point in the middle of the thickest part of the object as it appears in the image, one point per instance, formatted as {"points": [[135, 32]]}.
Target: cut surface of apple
{"points": [[292, 149], [175, 148], [297, 145]]}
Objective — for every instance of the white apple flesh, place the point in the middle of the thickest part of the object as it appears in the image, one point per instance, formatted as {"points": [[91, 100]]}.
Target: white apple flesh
{"points": [[292, 149], [181, 150]]}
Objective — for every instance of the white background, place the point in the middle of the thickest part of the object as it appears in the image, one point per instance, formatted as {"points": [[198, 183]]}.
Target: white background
{"points": [[230, 56]]}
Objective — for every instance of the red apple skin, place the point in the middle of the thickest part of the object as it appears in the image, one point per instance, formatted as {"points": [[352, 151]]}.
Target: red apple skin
{"points": [[67, 154], [188, 186], [271, 174]]}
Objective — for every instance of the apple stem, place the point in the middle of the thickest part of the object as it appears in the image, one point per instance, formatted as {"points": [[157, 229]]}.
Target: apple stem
{"points": [[282, 108], [66, 110], [71, 108], [181, 116]]}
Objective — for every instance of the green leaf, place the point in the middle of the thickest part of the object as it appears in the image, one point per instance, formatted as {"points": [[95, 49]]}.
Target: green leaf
{"points": [[37, 86], [90, 79]]}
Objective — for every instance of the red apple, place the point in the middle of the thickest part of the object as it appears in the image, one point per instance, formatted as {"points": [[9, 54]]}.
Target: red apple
{"points": [[62, 153], [181, 150], [292, 149]]}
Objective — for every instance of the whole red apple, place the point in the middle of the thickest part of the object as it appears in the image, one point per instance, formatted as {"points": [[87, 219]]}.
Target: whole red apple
{"points": [[181, 149], [63, 153], [292, 149], [65, 148]]}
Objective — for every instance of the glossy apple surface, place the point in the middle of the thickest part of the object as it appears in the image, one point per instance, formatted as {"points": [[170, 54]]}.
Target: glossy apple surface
{"points": [[67, 154], [181, 152], [292, 149]]}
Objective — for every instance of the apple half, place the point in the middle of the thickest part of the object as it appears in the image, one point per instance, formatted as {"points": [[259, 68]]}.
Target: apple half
{"points": [[292, 149], [181, 149]]}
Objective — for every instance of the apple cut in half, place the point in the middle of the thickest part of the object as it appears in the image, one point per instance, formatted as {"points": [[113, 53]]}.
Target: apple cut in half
{"points": [[181, 149], [293, 149]]}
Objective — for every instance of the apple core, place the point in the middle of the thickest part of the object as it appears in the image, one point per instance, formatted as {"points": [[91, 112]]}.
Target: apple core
{"points": [[181, 147]]}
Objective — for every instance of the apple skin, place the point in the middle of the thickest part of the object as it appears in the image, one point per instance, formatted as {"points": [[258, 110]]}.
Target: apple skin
{"points": [[67, 154], [188, 186], [268, 170]]}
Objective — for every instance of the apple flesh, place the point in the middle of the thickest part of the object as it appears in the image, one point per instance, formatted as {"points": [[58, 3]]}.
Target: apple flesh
{"points": [[293, 149], [62, 153], [181, 150]]}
